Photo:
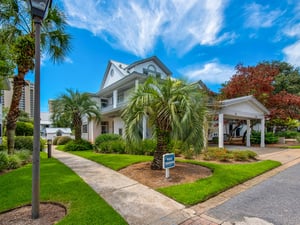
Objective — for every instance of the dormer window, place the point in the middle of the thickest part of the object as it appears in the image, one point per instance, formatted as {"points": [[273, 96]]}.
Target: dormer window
{"points": [[151, 70]]}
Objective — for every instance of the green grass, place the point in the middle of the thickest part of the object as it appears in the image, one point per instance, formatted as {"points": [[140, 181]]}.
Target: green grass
{"points": [[57, 184], [113, 161], [224, 177]]}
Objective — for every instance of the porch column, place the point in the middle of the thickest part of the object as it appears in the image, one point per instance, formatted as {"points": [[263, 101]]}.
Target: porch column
{"points": [[248, 143], [136, 83], [262, 133], [115, 98], [221, 130], [144, 127]]}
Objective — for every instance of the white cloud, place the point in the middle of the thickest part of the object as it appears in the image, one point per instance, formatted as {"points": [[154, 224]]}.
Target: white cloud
{"points": [[136, 25], [68, 60], [258, 16], [210, 73], [292, 53]]}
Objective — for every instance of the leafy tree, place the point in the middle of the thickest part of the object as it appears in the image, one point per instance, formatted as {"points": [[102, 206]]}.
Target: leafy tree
{"points": [[76, 105], [17, 32], [174, 109], [275, 84]]}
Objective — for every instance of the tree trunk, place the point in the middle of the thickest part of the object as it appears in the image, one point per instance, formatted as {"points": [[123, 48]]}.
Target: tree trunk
{"points": [[77, 126], [14, 111], [163, 138]]}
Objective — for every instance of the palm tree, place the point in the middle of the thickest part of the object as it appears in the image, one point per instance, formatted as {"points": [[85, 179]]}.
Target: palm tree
{"points": [[76, 105], [17, 31], [174, 109]]}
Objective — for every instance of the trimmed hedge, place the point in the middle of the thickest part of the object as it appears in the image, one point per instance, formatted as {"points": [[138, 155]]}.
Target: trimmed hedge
{"points": [[107, 137], [26, 142], [78, 145], [62, 140]]}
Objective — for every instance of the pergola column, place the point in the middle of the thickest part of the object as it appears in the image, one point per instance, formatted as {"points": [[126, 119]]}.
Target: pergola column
{"points": [[248, 143], [144, 127], [221, 130], [262, 133]]}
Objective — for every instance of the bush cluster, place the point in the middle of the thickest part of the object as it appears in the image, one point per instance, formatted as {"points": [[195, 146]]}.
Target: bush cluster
{"points": [[62, 140], [24, 129], [8, 162], [26, 143], [110, 143], [224, 155], [270, 137], [287, 134], [145, 147], [78, 145]]}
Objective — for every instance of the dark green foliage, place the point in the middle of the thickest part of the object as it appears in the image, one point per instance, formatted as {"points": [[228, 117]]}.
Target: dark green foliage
{"points": [[78, 145], [107, 137], [116, 146], [24, 129], [287, 134], [270, 138], [3, 161], [26, 142], [63, 140], [144, 147]]}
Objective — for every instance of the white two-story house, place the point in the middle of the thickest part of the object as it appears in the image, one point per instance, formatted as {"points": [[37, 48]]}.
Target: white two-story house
{"points": [[118, 82]]}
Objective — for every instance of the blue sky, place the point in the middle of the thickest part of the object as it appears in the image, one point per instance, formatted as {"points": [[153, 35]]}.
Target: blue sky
{"points": [[195, 39]]}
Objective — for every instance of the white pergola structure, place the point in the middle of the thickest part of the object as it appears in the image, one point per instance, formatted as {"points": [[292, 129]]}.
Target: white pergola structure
{"points": [[242, 108]]}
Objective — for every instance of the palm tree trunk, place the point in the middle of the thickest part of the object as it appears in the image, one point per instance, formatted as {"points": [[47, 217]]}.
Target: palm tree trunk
{"points": [[77, 126], [163, 138], [14, 111]]}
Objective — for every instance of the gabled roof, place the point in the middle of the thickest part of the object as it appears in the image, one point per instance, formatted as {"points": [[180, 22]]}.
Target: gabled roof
{"points": [[54, 130], [120, 66], [124, 69], [156, 60], [242, 106]]}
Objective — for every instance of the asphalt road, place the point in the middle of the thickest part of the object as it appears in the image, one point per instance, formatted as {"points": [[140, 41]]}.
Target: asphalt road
{"points": [[276, 200]]}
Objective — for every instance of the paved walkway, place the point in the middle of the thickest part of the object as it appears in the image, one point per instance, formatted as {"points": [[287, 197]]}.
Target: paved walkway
{"points": [[141, 205]]}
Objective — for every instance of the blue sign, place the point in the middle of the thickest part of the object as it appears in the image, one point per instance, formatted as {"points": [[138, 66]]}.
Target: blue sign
{"points": [[168, 160]]}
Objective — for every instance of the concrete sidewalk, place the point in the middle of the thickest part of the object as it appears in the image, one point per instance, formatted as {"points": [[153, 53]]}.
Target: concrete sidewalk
{"points": [[136, 203], [139, 204]]}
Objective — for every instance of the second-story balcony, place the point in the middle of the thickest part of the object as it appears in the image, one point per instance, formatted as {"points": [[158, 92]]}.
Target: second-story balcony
{"points": [[110, 107]]}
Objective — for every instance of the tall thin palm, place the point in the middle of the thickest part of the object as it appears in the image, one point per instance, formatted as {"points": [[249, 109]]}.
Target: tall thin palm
{"points": [[17, 31], [174, 109], [76, 105]]}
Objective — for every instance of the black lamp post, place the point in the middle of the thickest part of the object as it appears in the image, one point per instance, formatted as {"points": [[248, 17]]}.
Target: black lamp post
{"points": [[39, 10]]}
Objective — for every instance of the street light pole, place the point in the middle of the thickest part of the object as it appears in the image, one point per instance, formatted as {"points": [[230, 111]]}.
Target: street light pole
{"points": [[36, 138], [39, 10]]}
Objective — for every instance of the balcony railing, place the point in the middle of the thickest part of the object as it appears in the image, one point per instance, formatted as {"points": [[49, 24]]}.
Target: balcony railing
{"points": [[109, 108]]}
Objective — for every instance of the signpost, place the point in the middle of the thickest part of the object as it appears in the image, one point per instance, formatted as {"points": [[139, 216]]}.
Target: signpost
{"points": [[168, 162]]}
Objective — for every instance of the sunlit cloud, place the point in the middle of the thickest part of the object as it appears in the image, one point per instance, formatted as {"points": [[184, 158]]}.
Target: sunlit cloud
{"points": [[136, 26], [258, 16], [210, 73], [292, 54]]}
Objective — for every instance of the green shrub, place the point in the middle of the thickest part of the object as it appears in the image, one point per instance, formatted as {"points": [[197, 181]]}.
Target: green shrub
{"points": [[270, 138], [107, 137], [3, 161], [54, 142], [117, 146], [144, 147], [3, 147], [287, 134], [14, 162], [26, 142], [25, 156], [24, 129], [63, 140], [78, 145], [176, 147]]}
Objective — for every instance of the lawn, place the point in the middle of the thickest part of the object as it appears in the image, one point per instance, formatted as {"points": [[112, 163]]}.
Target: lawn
{"points": [[294, 147], [58, 184], [113, 161], [224, 176]]}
